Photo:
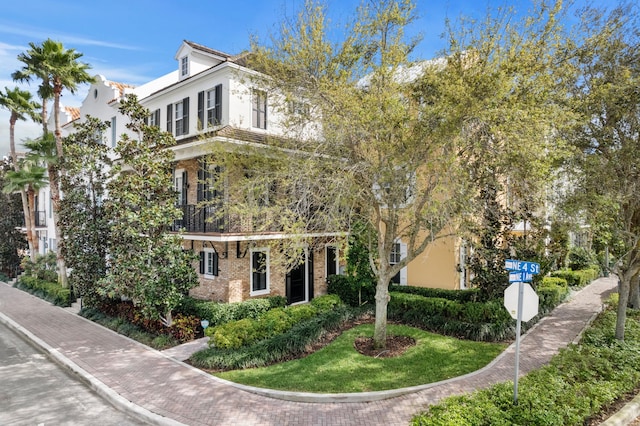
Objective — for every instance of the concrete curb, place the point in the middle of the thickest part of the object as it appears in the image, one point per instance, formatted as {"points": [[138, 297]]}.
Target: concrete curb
{"points": [[626, 415]]}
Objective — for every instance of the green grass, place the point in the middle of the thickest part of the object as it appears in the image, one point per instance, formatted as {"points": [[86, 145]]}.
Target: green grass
{"points": [[339, 368]]}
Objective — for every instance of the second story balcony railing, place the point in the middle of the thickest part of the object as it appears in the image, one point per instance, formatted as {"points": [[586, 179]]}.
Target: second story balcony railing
{"points": [[208, 220], [41, 218]]}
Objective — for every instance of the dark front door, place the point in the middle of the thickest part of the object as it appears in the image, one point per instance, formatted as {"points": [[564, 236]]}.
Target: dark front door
{"points": [[296, 284]]}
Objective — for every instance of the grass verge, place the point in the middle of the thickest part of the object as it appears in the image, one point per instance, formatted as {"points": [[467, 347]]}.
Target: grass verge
{"points": [[339, 368]]}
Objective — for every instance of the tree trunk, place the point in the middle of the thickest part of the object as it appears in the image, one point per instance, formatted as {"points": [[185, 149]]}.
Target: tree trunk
{"points": [[23, 195], [31, 197], [382, 301], [623, 288], [54, 187], [634, 293]]}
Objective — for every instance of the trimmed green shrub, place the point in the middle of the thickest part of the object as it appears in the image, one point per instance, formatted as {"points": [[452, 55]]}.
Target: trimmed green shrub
{"points": [[49, 291], [234, 334], [552, 291], [277, 348], [469, 295], [578, 278], [351, 290], [488, 321], [219, 313], [326, 302]]}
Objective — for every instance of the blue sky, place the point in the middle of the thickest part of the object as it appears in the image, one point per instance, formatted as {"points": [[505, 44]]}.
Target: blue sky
{"points": [[135, 41]]}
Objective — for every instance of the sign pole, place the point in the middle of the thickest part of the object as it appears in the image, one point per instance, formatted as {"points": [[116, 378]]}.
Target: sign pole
{"points": [[518, 326]]}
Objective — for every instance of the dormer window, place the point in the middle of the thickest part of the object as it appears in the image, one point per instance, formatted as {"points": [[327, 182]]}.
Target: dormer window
{"points": [[184, 66]]}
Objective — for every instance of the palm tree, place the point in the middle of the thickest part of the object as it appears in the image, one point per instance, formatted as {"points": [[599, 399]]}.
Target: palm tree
{"points": [[19, 103], [28, 178], [58, 69]]}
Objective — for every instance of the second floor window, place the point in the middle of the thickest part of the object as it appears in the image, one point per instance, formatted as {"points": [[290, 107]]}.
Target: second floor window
{"points": [[210, 107], [178, 117], [154, 118], [259, 109]]}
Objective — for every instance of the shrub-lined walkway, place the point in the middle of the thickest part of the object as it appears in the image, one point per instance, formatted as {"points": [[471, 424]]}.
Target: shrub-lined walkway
{"points": [[167, 391]]}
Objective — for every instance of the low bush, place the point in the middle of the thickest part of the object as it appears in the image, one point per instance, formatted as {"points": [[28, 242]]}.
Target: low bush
{"points": [[220, 313], [277, 348], [234, 334], [552, 291], [49, 291], [577, 278], [469, 295], [488, 321], [137, 333], [351, 290], [327, 302], [183, 328], [578, 383]]}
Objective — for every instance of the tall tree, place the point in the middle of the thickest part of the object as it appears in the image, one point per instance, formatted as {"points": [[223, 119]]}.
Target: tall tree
{"points": [[21, 107], [57, 69], [390, 140], [147, 263], [607, 136], [83, 219], [29, 177], [12, 241]]}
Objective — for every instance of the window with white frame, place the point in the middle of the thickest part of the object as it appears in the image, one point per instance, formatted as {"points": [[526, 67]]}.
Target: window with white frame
{"points": [[154, 118], [180, 186], [398, 252], [259, 109], [178, 117], [259, 272], [184, 66], [209, 262]]}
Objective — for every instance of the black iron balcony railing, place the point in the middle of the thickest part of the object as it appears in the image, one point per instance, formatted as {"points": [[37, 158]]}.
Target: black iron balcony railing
{"points": [[208, 219], [41, 218]]}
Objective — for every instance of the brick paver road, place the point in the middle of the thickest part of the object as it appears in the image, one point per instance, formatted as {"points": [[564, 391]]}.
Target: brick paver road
{"points": [[176, 392]]}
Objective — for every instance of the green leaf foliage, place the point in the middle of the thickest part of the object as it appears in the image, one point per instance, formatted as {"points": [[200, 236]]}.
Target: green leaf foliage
{"points": [[147, 263]]}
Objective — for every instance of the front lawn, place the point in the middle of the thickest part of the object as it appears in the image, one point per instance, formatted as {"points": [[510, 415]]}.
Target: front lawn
{"points": [[339, 368]]}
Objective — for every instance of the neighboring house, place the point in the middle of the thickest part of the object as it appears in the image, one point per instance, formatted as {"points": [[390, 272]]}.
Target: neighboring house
{"points": [[209, 97]]}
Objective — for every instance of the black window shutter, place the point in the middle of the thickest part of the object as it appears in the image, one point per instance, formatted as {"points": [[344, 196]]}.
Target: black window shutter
{"points": [[185, 186], [215, 264], [170, 118], [202, 262], [185, 116], [146, 120], [201, 184], [157, 114], [201, 122], [218, 103]]}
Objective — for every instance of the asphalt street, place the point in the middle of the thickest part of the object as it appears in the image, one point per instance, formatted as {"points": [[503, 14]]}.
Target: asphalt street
{"points": [[36, 391]]}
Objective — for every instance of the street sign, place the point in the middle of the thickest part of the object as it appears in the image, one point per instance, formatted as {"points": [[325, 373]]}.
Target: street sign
{"points": [[529, 301], [522, 266], [520, 277]]}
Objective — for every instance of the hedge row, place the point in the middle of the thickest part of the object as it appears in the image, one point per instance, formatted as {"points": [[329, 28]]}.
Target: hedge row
{"points": [[579, 278], [49, 291], [234, 334], [277, 348], [577, 384], [220, 313], [552, 291], [488, 321], [469, 295]]}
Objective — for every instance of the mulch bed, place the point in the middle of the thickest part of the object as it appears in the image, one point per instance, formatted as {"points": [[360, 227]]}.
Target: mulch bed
{"points": [[396, 346]]}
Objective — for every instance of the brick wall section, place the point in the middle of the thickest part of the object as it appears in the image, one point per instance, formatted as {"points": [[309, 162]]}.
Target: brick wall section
{"points": [[233, 281]]}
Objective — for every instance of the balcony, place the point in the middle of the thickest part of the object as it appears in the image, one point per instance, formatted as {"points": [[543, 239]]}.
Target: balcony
{"points": [[201, 220], [41, 219]]}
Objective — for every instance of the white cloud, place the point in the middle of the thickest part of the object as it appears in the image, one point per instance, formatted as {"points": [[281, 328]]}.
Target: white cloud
{"points": [[36, 33]]}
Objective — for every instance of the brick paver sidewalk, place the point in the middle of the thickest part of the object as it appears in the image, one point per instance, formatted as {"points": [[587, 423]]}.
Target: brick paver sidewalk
{"points": [[182, 394]]}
